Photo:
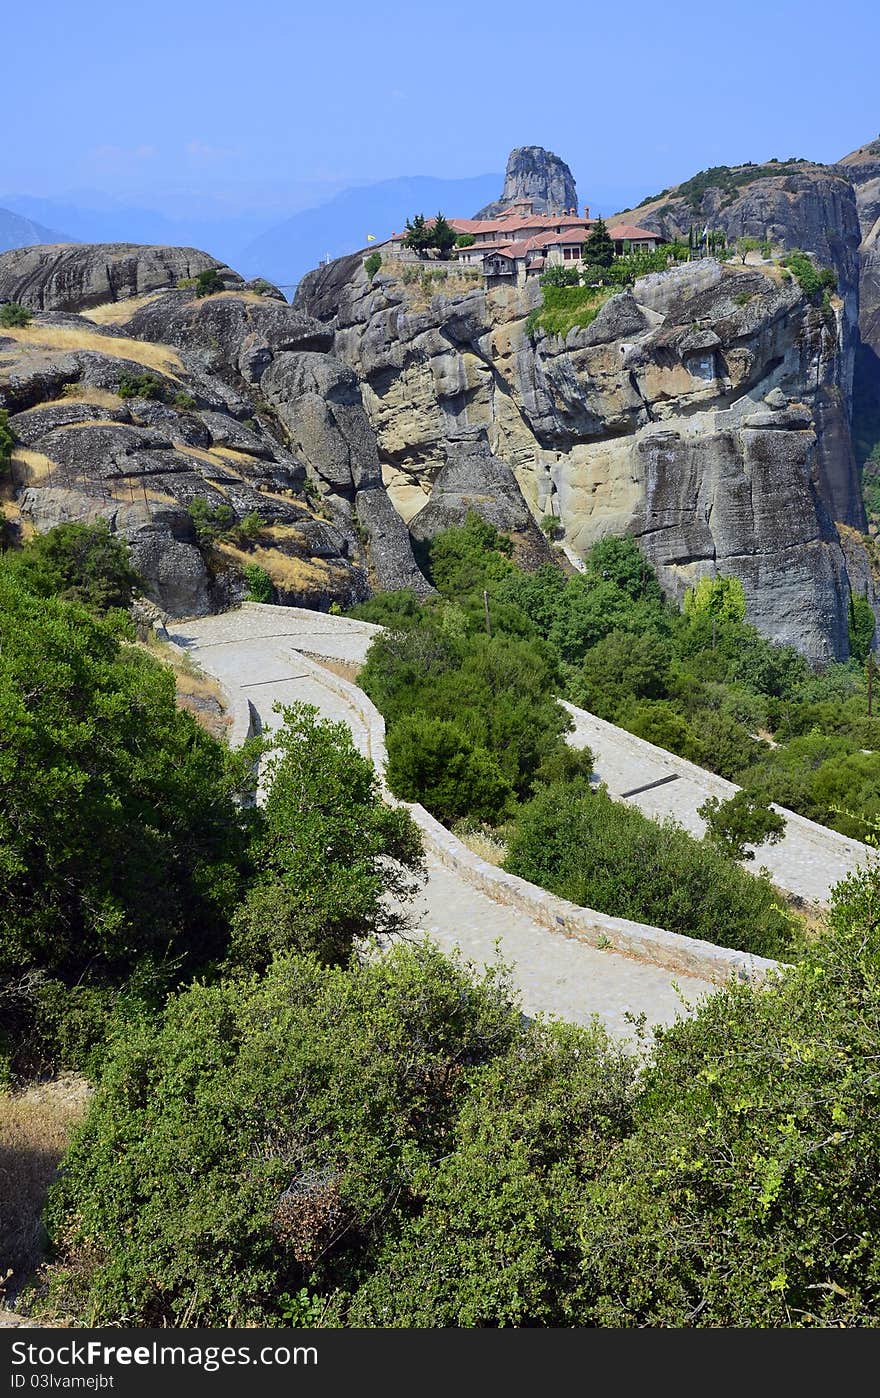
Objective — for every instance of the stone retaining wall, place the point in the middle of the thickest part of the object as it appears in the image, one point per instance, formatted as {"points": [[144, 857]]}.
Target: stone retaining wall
{"points": [[821, 836], [671, 950]]}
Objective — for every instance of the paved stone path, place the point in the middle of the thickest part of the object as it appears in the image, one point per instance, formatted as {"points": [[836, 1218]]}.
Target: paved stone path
{"points": [[808, 860], [252, 653]]}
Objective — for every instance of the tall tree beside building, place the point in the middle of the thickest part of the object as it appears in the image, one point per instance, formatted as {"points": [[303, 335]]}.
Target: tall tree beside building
{"points": [[598, 248], [419, 236], [444, 235]]}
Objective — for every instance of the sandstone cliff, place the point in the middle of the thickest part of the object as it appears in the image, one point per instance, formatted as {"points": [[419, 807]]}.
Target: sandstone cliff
{"points": [[689, 413], [537, 175], [192, 420]]}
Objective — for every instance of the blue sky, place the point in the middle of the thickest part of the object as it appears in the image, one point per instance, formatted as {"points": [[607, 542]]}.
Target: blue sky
{"points": [[274, 105]]}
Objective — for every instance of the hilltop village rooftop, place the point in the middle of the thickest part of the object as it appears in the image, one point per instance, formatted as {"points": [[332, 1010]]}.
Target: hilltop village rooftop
{"points": [[522, 243]]}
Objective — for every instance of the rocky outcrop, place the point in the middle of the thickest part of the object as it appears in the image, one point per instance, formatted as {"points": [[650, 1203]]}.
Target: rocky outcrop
{"points": [[473, 480], [235, 401], [689, 413], [537, 175], [795, 205], [75, 277]]}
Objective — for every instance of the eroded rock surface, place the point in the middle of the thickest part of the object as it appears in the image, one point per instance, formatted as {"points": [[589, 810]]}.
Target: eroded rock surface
{"points": [[704, 411]]}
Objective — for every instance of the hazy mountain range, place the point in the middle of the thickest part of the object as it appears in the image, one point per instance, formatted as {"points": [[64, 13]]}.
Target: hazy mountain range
{"points": [[281, 251]]}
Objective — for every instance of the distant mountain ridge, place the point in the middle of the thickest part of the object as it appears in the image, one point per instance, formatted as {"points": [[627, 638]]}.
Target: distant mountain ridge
{"points": [[16, 231], [286, 252]]}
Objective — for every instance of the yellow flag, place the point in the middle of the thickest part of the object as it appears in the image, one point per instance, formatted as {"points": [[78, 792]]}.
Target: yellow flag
{"points": [[371, 237]]}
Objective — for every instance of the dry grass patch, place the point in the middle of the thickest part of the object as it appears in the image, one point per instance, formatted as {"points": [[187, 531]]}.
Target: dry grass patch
{"points": [[35, 1128], [287, 572], [32, 465], [121, 312], [485, 843], [72, 337]]}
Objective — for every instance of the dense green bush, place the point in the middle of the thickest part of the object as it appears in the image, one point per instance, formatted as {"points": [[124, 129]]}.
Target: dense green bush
{"points": [[332, 863], [12, 314], [143, 386], [434, 761], [262, 1136], [747, 1194], [210, 522], [390, 1144], [79, 563], [209, 282], [372, 264], [260, 587], [602, 854], [119, 837]]}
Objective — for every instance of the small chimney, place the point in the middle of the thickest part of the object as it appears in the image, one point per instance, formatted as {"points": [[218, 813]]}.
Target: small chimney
{"points": [[586, 211]]}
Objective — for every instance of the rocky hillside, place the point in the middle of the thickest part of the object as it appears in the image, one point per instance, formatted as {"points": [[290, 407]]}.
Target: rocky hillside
{"points": [[129, 396], [692, 412], [537, 175]]}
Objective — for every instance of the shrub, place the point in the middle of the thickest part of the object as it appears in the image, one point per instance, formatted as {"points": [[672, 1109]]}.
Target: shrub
{"points": [[604, 855], [716, 597], [561, 276], [80, 563], [465, 240], [743, 819], [209, 282], [120, 839], [327, 852], [812, 279], [747, 1194], [372, 264], [435, 762], [250, 526], [260, 587], [142, 386], [210, 522], [261, 1137], [12, 314], [183, 401]]}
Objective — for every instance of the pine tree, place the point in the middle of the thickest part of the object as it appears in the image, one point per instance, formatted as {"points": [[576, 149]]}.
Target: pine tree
{"points": [[418, 235], [443, 236], [598, 248]]}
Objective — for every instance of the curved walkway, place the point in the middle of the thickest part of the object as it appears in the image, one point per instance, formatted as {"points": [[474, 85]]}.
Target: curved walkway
{"points": [[256, 654]]}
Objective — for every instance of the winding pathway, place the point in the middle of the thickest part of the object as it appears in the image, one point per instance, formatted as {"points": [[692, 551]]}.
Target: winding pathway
{"points": [[257, 653]]}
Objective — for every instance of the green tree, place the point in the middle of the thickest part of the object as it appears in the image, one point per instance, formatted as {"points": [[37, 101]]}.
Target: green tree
{"points": [[210, 522], [621, 667], [862, 626], [720, 597], [263, 1135], [746, 245], [12, 314], [418, 237], [433, 761], [372, 264], [209, 282], [330, 856], [119, 836], [442, 236], [80, 563], [598, 248], [465, 240], [742, 820]]}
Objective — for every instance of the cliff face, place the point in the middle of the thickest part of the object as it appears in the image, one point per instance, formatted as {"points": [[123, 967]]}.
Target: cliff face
{"points": [[537, 175], [193, 420], [806, 206], [688, 414]]}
